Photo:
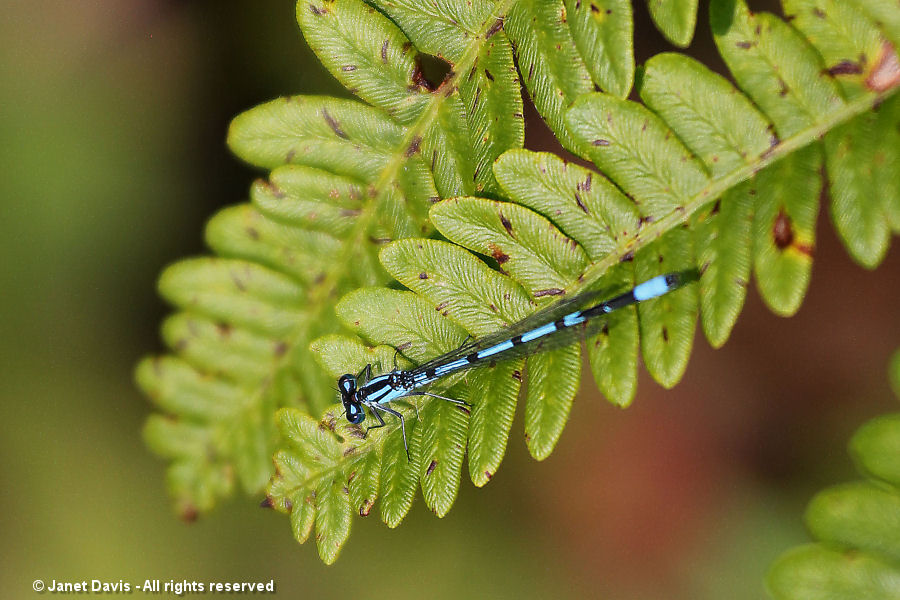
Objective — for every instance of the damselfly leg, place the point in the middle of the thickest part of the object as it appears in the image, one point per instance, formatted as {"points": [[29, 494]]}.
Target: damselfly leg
{"points": [[365, 375], [453, 400], [375, 408]]}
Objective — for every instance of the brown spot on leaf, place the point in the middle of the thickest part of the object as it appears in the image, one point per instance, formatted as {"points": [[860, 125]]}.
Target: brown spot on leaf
{"points": [[273, 189], [783, 87], [431, 467], [238, 282], [600, 143], [665, 333], [488, 75], [886, 73], [506, 224], [413, 146], [580, 203], [499, 255], [316, 10], [497, 26], [846, 67], [549, 292], [585, 186], [267, 502], [384, 49], [423, 275], [782, 230], [335, 126]]}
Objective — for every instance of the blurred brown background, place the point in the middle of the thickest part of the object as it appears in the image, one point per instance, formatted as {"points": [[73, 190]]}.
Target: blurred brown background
{"points": [[112, 121]]}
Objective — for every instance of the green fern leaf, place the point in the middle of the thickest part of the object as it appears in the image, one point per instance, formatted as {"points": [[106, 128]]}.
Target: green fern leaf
{"points": [[603, 30], [804, 573], [552, 383], [723, 243], [874, 447], [493, 393], [366, 54], [634, 148], [667, 323], [586, 207], [784, 228], [675, 19], [856, 154], [613, 352], [552, 68], [440, 442], [525, 245], [491, 95], [399, 478], [716, 122], [857, 525], [441, 29]]}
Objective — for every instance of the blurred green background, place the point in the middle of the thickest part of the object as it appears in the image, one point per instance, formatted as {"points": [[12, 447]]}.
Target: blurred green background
{"points": [[112, 120]]}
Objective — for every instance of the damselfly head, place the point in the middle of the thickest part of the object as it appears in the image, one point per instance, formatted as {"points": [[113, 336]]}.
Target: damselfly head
{"points": [[354, 411], [347, 386], [352, 407]]}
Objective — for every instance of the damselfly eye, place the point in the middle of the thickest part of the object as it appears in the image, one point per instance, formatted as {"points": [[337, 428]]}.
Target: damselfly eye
{"points": [[347, 384], [355, 413]]}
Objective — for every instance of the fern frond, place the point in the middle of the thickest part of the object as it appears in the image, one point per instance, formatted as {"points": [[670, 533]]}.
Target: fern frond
{"points": [[346, 177], [699, 174], [857, 525], [702, 173]]}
